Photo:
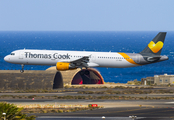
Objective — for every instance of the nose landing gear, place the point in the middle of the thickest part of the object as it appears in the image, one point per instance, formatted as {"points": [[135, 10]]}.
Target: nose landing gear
{"points": [[22, 70]]}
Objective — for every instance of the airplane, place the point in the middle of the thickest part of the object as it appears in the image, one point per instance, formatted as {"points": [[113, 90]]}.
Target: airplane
{"points": [[69, 60]]}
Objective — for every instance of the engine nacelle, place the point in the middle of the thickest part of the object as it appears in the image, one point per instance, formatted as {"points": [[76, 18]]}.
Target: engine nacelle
{"points": [[61, 66]]}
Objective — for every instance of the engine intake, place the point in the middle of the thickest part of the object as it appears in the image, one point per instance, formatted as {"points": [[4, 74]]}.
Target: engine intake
{"points": [[61, 66]]}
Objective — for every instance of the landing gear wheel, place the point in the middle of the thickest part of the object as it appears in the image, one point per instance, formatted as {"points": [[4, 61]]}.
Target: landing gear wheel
{"points": [[21, 71], [22, 68]]}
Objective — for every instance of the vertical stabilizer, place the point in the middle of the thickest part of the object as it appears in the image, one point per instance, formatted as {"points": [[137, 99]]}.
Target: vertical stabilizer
{"points": [[154, 48]]}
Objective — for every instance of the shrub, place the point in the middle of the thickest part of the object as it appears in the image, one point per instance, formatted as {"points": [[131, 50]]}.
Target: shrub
{"points": [[54, 111], [44, 111], [13, 112], [60, 111]]}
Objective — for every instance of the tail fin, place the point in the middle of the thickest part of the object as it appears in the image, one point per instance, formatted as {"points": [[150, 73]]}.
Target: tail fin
{"points": [[154, 48]]}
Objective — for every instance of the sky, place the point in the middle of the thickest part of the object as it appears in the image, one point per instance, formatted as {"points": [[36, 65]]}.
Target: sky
{"points": [[86, 15]]}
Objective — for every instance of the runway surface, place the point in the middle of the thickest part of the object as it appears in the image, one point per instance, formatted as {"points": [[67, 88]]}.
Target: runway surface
{"points": [[120, 109], [120, 113]]}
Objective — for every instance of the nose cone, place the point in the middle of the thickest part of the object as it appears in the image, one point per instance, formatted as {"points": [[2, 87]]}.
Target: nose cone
{"points": [[6, 58]]}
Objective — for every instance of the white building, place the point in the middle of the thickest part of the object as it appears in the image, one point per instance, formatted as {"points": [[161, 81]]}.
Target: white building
{"points": [[159, 80]]}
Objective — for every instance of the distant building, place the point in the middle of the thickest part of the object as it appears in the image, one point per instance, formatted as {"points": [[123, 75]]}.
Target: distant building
{"points": [[147, 81], [158, 80]]}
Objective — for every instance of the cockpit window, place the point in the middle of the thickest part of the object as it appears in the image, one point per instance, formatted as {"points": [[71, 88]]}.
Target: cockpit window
{"points": [[12, 54]]}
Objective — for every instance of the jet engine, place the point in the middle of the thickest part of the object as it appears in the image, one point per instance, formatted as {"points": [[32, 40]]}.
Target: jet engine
{"points": [[61, 66]]}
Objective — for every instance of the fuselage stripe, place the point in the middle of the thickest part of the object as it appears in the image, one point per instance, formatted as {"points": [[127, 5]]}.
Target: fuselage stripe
{"points": [[129, 59]]}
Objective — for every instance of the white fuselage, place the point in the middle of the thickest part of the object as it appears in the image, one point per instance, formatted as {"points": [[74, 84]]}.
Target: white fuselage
{"points": [[65, 60], [51, 57]]}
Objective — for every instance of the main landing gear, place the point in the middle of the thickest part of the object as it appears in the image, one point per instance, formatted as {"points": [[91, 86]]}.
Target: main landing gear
{"points": [[22, 70]]}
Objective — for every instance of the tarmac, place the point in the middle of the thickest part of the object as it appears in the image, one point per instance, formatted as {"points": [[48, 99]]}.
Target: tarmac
{"points": [[120, 110], [156, 109]]}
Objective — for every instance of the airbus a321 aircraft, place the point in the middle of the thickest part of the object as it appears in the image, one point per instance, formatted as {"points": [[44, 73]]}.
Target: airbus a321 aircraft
{"points": [[68, 60]]}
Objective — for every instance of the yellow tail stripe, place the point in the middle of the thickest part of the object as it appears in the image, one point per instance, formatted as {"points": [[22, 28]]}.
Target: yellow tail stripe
{"points": [[126, 57]]}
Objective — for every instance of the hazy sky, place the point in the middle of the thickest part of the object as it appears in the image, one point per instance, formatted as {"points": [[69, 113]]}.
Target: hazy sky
{"points": [[86, 15]]}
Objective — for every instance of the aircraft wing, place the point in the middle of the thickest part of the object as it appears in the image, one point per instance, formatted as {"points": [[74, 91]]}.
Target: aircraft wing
{"points": [[81, 62]]}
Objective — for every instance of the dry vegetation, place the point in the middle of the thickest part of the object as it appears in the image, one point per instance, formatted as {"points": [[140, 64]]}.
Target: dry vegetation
{"points": [[41, 91], [134, 82], [104, 97], [128, 91], [57, 110], [96, 92], [103, 87]]}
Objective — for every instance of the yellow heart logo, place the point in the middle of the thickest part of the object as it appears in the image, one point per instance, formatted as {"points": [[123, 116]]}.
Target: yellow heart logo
{"points": [[155, 47]]}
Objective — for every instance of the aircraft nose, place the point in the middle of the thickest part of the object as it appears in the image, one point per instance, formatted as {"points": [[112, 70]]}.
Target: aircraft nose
{"points": [[6, 58]]}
